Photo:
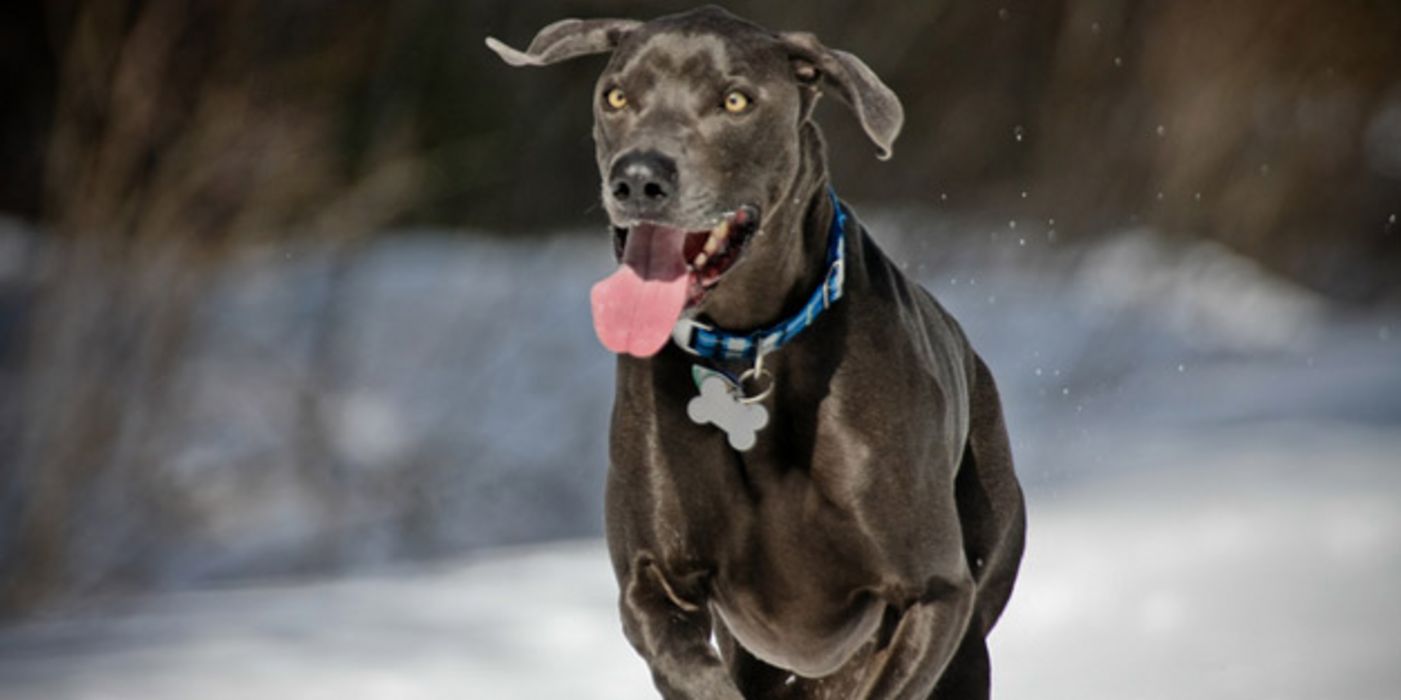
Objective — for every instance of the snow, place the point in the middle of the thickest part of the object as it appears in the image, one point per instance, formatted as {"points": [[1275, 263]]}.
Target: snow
{"points": [[1261, 566], [1255, 565], [1210, 456], [530, 623]]}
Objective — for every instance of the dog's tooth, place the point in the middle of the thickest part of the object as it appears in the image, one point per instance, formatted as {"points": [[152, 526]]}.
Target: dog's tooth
{"points": [[712, 244], [700, 259]]}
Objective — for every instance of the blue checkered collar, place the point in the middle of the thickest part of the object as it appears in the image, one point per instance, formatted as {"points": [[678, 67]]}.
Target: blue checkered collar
{"points": [[709, 342]]}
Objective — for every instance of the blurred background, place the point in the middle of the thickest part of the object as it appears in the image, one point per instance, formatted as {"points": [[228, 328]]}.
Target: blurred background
{"points": [[294, 325]]}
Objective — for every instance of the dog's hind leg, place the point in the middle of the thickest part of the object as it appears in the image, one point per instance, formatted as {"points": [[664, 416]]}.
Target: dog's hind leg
{"points": [[755, 678], [968, 675], [991, 509], [993, 517], [926, 637]]}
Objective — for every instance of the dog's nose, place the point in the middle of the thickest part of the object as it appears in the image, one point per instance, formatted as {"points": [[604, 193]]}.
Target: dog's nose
{"points": [[643, 180]]}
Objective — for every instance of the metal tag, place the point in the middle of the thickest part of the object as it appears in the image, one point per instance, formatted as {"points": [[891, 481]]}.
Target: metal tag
{"points": [[722, 403]]}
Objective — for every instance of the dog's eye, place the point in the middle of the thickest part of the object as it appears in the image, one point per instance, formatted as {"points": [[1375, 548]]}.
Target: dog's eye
{"points": [[615, 98], [736, 102]]}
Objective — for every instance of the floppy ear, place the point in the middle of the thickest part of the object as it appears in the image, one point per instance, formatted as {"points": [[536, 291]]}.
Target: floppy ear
{"points": [[875, 104], [566, 39]]}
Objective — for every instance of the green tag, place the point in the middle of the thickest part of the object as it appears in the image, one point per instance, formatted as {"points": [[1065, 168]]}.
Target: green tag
{"points": [[699, 374]]}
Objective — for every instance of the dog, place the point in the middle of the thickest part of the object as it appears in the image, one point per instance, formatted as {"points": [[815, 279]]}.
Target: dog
{"points": [[811, 491]]}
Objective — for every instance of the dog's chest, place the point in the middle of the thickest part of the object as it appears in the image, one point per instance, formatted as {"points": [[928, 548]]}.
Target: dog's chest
{"points": [[796, 577], [797, 589]]}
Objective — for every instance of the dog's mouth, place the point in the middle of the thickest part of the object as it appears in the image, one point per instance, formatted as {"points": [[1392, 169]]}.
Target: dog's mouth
{"points": [[708, 253], [663, 271]]}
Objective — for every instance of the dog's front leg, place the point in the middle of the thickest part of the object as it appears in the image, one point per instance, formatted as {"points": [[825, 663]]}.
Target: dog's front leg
{"points": [[673, 635], [922, 645]]}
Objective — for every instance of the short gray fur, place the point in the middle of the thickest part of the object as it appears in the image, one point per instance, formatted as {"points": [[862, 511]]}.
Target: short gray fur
{"points": [[865, 546]]}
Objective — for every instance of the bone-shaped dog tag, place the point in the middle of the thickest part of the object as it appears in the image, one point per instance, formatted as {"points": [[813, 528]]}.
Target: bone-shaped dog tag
{"points": [[720, 403]]}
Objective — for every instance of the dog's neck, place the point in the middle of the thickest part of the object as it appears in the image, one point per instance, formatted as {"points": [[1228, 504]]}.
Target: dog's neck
{"points": [[781, 278]]}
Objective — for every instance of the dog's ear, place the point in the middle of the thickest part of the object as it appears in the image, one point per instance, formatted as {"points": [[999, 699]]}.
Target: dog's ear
{"points": [[566, 39], [875, 104]]}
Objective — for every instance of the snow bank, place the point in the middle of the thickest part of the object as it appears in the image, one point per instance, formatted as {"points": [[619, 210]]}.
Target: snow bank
{"points": [[1209, 455], [1262, 563]]}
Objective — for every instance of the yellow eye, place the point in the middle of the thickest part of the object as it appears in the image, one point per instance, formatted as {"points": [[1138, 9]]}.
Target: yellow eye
{"points": [[616, 99], [736, 102]]}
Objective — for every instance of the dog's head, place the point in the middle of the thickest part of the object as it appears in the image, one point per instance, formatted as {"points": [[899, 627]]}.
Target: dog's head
{"points": [[698, 130]]}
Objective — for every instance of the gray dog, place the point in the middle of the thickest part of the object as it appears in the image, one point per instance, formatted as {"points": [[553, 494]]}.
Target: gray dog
{"points": [[811, 492]]}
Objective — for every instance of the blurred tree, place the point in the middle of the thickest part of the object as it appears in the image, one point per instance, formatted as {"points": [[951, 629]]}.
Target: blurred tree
{"points": [[154, 141], [1256, 124], [180, 135]]}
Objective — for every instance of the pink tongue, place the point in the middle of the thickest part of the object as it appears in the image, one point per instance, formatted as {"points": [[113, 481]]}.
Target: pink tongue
{"points": [[635, 308]]}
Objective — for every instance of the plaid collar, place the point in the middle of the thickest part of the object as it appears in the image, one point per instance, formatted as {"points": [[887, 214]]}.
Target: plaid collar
{"points": [[707, 341]]}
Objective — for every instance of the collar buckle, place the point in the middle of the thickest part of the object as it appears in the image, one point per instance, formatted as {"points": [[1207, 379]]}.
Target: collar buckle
{"points": [[684, 334]]}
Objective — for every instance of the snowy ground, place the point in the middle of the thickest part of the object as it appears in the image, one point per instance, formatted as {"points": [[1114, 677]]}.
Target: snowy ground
{"points": [[1212, 459], [1269, 570]]}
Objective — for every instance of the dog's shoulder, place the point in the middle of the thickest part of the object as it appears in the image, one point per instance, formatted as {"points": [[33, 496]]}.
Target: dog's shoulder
{"points": [[905, 299]]}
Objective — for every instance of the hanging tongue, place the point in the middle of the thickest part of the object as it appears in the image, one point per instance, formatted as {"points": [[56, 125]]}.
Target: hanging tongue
{"points": [[635, 308]]}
